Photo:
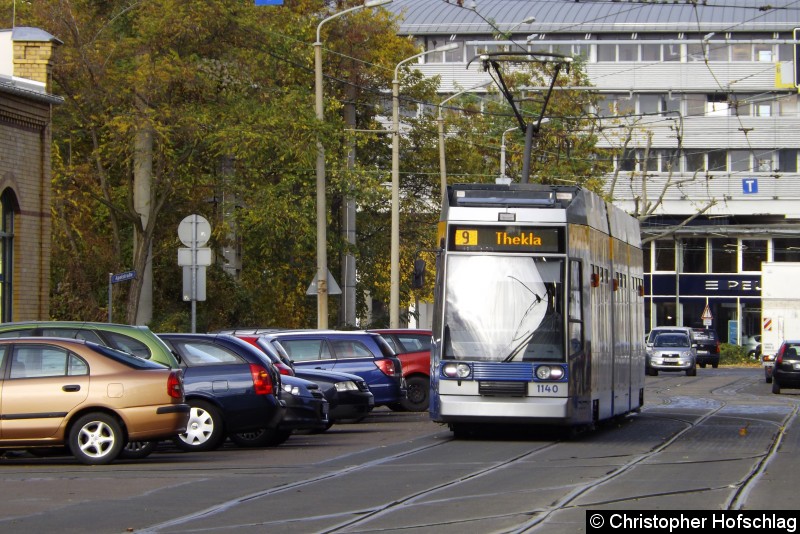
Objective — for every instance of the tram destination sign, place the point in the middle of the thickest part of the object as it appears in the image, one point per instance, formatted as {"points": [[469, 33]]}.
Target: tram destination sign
{"points": [[505, 238]]}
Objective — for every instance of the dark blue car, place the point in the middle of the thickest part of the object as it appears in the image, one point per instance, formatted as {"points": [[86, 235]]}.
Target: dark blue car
{"points": [[228, 391], [364, 354]]}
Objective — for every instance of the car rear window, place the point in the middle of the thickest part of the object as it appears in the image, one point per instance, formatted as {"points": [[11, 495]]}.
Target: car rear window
{"points": [[350, 348], [415, 342], [199, 354], [125, 358], [386, 350], [705, 335]]}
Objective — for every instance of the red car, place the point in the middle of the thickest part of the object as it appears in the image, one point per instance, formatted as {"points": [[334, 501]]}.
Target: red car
{"points": [[413, 348]]}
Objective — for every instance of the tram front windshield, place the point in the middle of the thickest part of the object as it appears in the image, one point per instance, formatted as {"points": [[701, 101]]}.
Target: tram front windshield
{"points": [[503, 308]]}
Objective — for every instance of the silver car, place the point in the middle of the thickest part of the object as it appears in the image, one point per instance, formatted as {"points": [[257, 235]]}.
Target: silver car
{"points": [[671, 351]]}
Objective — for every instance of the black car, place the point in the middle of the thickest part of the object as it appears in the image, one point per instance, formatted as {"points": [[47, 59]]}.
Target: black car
{"points": [[229, 391], [786, 371], [348, 396], [707, 347]]}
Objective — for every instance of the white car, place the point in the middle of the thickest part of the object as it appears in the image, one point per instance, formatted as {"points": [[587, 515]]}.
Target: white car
{"points": [[753, 346]]}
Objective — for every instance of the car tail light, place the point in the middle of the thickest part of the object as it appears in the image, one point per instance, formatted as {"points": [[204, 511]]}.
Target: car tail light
{"points": [[175, 384], [261, 379], [779, 355], [284, 369], [387, 367]]}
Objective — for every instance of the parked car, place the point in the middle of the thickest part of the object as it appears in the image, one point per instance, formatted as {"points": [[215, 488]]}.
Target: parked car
{"points": [[413, 348], [671, 351], [137, 340], [231, 392], [651, 336], [361, 353], [348, 396], [753, 346], [707, 347], [786, 370], [90, 398]]}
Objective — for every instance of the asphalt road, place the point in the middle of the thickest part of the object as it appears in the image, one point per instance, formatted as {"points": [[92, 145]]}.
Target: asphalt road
{"points": [[717, 441]]}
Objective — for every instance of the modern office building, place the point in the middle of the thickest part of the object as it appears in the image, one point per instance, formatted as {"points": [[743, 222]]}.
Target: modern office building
{"points": [[706, 90]]}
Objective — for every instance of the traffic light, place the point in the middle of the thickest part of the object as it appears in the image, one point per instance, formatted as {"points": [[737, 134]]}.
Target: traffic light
{"points": [[418, 281]]}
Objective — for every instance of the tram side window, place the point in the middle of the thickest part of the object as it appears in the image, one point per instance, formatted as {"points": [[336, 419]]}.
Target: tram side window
{"points": [[575, 308]]}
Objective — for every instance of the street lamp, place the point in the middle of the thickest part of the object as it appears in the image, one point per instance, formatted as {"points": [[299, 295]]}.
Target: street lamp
{"points": [[322, 238], [442, 163], [394, 260]]}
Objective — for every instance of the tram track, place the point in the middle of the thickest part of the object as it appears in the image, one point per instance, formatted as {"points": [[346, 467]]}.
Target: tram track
{"points": [[375, 516]]}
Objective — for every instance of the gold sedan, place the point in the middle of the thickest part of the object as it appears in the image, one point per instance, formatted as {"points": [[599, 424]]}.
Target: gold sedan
{"points": [[90, 398]]}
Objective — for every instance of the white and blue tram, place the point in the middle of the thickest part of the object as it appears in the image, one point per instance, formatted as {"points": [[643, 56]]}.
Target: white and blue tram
{"points": [[539, 308]]}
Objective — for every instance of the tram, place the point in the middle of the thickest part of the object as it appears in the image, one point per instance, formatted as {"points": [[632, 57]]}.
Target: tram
{"points": [[538, 308]]}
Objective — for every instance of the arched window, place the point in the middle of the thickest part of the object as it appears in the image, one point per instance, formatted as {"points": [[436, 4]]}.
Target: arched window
{"points": [[8, 203]]}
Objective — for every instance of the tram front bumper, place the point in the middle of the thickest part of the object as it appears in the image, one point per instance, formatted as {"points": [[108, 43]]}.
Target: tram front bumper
{"points": [[454, 408]]}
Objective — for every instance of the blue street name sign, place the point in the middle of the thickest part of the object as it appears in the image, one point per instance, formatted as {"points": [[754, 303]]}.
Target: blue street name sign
{"points": [[269, 2], [123, 277]]}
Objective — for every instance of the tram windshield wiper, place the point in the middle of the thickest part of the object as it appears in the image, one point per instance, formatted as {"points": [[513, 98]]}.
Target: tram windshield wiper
{"points": [[537, 299]]}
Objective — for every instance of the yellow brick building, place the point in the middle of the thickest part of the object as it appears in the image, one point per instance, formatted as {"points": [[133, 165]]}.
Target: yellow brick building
{"points": [[26, 106]]}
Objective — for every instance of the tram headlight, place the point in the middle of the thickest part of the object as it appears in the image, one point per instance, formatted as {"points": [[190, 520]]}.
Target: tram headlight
{"points": [[546, 372], [456, 370]]}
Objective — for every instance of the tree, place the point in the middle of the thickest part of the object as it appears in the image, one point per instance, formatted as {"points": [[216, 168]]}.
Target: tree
{"points": [[177, 107]]}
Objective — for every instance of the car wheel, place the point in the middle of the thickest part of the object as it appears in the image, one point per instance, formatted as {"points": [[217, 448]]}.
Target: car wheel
{"points": [[396, 407], [136, 450], [715, 365], [417, 389], [702, 365], [767, 377], [652, 372], [692, 371], [204, 429], [776, 388], [96, 439]]}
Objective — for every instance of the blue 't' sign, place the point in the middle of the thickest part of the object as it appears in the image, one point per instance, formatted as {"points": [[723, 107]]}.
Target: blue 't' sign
{"points": [[749, 186]]}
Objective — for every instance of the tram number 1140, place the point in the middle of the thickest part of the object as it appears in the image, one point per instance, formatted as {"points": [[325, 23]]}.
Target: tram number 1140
{"points": [[547, 390]]}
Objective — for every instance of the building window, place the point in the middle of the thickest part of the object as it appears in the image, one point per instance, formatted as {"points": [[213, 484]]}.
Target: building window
{"points": [[740, 160], [763, 161], [695, 161], [723, 255], [786, 249], [8, 203], [670, 160], [787, 160], [665, 255], [694, 255], [754, 251], [717, 160], [627, 162]]}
